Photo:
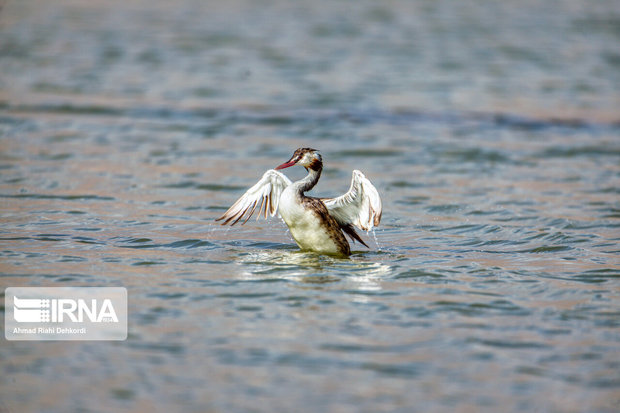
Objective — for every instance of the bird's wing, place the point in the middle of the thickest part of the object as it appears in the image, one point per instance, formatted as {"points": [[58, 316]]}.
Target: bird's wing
{"points": [[360, 206], [265, 193]]}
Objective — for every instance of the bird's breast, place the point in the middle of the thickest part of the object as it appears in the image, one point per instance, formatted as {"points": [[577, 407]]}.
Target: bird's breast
{"points": [[308, 229]]}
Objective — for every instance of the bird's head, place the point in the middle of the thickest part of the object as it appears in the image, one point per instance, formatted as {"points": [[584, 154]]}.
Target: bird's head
{"points": [[307, 157]]}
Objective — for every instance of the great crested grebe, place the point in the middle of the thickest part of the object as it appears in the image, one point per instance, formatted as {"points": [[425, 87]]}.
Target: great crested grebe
{"points": [[317, 224]]}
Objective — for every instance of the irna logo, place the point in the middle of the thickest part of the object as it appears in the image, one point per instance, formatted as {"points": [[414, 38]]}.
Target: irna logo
{"points": [[65, 313], [29, 310]]}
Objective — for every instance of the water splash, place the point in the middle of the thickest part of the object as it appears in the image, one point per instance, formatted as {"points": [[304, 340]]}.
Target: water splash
{"points": [[374, 236]]}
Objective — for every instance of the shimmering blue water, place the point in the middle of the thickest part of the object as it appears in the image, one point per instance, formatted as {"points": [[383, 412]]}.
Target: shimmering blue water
{"points": [[491, 129]]}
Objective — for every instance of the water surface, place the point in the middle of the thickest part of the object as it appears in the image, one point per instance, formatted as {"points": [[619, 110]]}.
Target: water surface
{"points": [[490, 130]]}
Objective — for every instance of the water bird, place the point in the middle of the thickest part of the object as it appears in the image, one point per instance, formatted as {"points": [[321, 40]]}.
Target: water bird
{"points": [[316, 224]]}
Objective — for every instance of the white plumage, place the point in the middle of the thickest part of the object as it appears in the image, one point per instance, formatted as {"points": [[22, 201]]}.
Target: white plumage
{"points": [[265, 194], [360, 206]]}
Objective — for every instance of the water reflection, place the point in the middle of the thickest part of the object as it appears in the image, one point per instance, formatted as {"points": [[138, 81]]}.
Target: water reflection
{"points": [[311, 268]]}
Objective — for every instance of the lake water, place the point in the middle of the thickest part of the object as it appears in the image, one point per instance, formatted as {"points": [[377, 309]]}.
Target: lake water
{"points": [[491, 130]]}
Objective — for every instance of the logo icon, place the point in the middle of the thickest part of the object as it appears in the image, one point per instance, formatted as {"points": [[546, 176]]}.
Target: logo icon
{"points": [[31, 310]]}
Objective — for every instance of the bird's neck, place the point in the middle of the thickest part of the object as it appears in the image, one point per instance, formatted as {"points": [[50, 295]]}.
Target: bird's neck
{"points": [[307, 183]]}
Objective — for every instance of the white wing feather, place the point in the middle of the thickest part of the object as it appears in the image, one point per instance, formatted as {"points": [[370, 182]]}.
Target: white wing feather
{"points": [[360, 206], [265, 193]]}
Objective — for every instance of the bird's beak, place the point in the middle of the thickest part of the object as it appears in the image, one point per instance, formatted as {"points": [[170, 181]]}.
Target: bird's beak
{"points": [[286, 165]]}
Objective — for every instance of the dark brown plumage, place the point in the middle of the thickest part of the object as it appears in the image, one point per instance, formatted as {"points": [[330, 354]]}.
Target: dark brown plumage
{"points": [[329, 223]]}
